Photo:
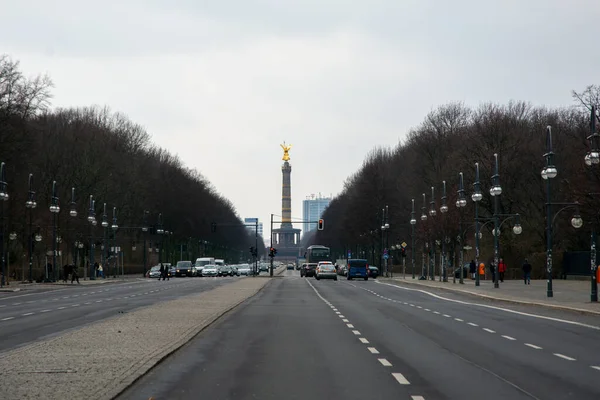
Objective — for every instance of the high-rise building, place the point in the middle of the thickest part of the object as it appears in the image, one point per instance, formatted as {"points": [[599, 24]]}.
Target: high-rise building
{"points": [[312, 209], [251, 225]]}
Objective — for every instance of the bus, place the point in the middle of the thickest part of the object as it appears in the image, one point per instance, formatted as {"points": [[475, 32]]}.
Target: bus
{"points": [[316, 253]]}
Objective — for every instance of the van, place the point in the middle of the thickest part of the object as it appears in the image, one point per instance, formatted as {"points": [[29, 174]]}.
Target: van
{"points": [[201, 262], [358, 268]]}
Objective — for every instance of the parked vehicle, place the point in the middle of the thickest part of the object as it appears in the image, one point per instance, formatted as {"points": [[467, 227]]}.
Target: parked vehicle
{"points": [[358, 268], [373, 271], [244, 269], [308, 269], [201, 262], [466, 268], [325, 270], [219, 262], [154, 272]]}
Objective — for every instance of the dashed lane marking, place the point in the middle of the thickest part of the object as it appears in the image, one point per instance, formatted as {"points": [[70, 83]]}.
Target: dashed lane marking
{"points": [[436, 312], [508, 337], [489, 330], [61, 308], [45, 310], [400, 378], [356, 332], [350, 326], [363, 340], [564, 357], [595, 367], [345, 320], [384, 362], [533, 346], [26, 314], [459, 320], [446, 315], [472, 324], [373, 350], [7, 318], [417, 398]]}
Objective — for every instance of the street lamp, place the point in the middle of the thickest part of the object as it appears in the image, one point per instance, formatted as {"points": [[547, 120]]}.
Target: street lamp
{"points": [[477, 196], [30, 204], [72, 213], [432, 213], [12, 236], [92, 220], [3, 197], [548, 173], [54, 209], [385, 226], [461, 202], [423, 255], [145, 233], [114, 227], [593, 158], [496, 191], [444, 210], [413, 222], [160, 231]]}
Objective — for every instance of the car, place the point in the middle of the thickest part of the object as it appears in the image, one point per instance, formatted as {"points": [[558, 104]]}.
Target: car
{"points": [[225, 270], [358, 268], [373, 272], [325, 270], [244, 269], [290, 266], [308, 269], [210, 270], [154, 272], [184, 268], [466, 268], [264, 267]]}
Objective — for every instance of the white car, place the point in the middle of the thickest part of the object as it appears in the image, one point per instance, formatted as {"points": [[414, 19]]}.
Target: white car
{"points": [[210, 270], [325, 270]]}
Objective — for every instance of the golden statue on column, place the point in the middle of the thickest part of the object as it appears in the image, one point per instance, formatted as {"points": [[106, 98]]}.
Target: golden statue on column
{"points": [[286, 149]]}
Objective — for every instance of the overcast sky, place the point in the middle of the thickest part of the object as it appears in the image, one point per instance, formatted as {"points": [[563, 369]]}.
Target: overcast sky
{"points": [[223, 83]]}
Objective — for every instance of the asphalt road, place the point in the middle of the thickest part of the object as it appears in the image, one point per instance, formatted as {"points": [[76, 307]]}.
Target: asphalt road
{"points": [[26, 317], [300, 338]]}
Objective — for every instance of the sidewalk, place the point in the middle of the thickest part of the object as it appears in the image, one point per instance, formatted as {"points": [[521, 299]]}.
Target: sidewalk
{"points": [[568, 295], [16, 286]]}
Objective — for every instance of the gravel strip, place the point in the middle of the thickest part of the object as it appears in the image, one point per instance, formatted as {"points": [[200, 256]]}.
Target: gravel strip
{"points": [[100, 360]]}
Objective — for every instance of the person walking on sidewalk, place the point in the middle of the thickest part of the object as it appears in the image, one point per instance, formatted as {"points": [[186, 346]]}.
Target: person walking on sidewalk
{"points": [[162, 272], [472, 269], [482, 270], [74, 274], [501, 269], [527, 272]]}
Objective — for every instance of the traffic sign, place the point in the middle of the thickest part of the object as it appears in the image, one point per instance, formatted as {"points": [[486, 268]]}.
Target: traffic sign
{"points": [[404, 244], [386, 256], [349, 254]]}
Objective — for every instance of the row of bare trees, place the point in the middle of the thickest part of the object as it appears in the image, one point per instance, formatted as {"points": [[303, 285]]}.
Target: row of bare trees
{"points": [[105, 155], [450, 140]]}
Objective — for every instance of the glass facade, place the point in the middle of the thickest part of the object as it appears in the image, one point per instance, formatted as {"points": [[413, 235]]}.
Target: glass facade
{"points": [[312, 210]]}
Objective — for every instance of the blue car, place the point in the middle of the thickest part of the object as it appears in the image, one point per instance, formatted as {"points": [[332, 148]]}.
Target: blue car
{"points": [[358, 268]]}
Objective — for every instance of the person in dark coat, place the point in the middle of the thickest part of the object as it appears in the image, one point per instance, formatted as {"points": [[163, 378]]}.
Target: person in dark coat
{"points": [[472, 269], [162, 273], [526, 272]]}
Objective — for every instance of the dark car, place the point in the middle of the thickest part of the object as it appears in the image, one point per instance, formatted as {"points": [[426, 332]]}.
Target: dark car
{"points": [[183, 268], [225, 270], [466, 268], [373, 272], [308, 270]]}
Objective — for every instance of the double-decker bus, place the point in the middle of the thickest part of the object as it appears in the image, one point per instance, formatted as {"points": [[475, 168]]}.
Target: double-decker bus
{"points": [[316, 253]]}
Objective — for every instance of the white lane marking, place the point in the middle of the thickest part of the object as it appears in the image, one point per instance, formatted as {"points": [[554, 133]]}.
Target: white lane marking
{"points": [[88, 303], [7, 318], [65, 297], [30, 301], [564, 357], [564, 321], [26, 314], [363, 340], [74, 305], [4, 305], [345, 320], [373, 350], [427, 309], [384, 362], [98, 301], [533, 346], [61, 308], [75, 295], [45, 310], [446, 315], [417, 398], [595, 367], [341, 316], [508, 337], [356, 332], [472, 324], [108, 299], [16, 304], [337, 312], [400, 378], [412, 305], [489, 330], [417, 306], [436, 312], [459, 320], [350, 326]]}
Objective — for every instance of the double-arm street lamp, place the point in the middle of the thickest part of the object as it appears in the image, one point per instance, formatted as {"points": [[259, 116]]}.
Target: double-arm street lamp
{"points": [[160, 231], [145, 233], [476, 197], [413, 222], [432, 213], [114, 228], [54, 209], [495, 192], [444, 210], [105, 247], [424, 219], [385, 226], [30, 204], [92, 220], [73, 214], [592, 158], [461, 202], [3, 197]]}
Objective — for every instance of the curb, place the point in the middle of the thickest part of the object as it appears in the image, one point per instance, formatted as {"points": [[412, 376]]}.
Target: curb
{"points": [[10, 290], [500, 299]]}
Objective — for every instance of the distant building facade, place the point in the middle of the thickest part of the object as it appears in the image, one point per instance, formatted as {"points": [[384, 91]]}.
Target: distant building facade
{"points": [[251, 225], [312, 209]]}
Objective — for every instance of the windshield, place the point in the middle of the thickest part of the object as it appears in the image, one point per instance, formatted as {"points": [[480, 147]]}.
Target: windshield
{"points": [[357, 263], [201, 263], [184, 264], [156, 268]]}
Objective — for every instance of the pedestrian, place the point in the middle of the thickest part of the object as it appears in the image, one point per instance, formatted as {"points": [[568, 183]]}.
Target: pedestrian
{"points": [[74, 274], [527, 272], [65, 273], [501, 269], [481, 270], [162, 272], [493, 270], [100, 271], [472, 269], [96, 271]]}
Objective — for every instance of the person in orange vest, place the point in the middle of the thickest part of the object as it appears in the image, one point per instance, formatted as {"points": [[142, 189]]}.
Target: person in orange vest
{"points": [[482, 271]]}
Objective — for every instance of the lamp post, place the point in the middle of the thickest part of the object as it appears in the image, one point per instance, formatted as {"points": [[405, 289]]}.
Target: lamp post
{"points": [[73, 214], [432, 213], [92, 220], [3, 198], [592, 158], [476, 197], [104, 248], [145, 233], [444, 210], [423, 219], [461, 203], [385, 226], [160, 231], [413, 222], [54, 209], [496, 191], [12, 237], [30, 204], [114, 228], [548, 173]]}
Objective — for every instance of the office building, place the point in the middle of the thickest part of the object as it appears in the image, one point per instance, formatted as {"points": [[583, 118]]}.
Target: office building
{"points": [[312, 209], [251, 224]]}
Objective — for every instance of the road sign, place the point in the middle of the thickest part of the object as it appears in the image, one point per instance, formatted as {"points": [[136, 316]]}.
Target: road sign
{"points": [[467, 248], [386, 256], [404, 244], [349, 254], [385, 251]]}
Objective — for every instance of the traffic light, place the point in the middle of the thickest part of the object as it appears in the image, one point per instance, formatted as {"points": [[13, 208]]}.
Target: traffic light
{"points": [[320, 224], [403, 252], [272, 252]]}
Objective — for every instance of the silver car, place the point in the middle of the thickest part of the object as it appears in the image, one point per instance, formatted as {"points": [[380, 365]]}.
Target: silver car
{"points": [[210, 270], [326, 270]]}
